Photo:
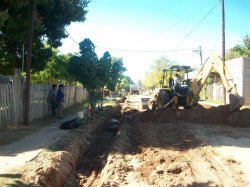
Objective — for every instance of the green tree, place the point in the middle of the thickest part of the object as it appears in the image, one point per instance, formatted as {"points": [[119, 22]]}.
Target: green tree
{"points": [[50, 19], [124, 83], [84, 68], [56, 70], [153, 77], [44, 20], [240, 50], [104, 68], [117, 70], [94, 73]]}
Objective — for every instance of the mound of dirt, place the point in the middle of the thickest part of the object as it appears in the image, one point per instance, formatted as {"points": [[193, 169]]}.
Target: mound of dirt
{"points": [[199, 114], [116, 112], [122, 100], [51, 168], [127, 111]]}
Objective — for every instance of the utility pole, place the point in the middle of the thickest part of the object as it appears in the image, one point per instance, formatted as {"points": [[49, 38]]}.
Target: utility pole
{"points": [[22, 58], [199, 51], [28, 65], [223, 44]]}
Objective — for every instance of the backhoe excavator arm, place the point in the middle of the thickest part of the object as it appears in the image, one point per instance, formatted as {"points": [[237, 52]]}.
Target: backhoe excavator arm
{"points": [[197, 83]]}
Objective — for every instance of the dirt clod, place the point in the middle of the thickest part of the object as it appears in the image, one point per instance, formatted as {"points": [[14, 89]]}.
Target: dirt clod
{"points": [[175, 169]]}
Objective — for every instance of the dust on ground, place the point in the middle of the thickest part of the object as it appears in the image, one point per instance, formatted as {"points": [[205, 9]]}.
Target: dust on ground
{"points": [[164, 148]]}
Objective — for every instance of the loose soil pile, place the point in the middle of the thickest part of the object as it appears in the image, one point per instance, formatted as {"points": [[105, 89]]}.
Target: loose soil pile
{"points": [[199, 114]]}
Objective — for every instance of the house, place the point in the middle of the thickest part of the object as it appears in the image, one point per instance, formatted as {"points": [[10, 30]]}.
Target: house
{"points": [[240, 71]]}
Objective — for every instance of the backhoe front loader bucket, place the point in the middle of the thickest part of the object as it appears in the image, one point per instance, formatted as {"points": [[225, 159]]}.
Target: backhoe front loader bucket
{"points": [[235, 102]]}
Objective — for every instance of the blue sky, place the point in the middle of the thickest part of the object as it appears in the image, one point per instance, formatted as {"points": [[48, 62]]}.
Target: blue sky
{"points": [[140, 31]]}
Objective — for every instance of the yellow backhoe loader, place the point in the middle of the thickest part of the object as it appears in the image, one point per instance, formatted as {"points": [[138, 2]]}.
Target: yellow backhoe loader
{"points": [[187, 95]]}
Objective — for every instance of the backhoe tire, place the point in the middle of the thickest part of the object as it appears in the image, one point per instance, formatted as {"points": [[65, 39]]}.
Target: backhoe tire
{"points": [[187, 102], [159, 102]]}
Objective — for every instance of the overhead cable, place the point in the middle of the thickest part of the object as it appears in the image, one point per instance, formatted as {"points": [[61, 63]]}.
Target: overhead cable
{"points": [[192, 30], [145, 51], [179, 22]]}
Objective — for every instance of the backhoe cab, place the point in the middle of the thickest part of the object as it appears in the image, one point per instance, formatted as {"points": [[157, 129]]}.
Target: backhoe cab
{"points": [[172, 92]]}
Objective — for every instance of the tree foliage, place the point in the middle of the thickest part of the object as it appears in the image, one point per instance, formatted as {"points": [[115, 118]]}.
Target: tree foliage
{"points": [[124, 83], [240, 50], [56, 70], [153, 77], [104, 68], [51, 17], [84, 67], [116, 73], [92, 72]]}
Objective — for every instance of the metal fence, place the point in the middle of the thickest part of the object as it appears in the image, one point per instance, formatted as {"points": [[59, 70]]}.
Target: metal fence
{"points": [[12, 101]]}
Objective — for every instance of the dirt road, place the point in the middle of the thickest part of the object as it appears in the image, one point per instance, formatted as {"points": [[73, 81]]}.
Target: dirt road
{"points": [[165, 147], [18, 153], [154, 150]]}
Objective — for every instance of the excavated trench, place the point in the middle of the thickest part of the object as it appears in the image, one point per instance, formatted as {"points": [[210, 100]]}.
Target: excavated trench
{"points": [[92, 162], [95, 158]]}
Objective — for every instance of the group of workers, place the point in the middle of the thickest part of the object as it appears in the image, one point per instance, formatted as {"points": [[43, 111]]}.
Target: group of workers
{"points": [[56, 100]]}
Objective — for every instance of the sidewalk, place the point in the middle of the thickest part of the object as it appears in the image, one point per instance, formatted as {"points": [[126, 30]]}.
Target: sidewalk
{"points": [[18, 153]]}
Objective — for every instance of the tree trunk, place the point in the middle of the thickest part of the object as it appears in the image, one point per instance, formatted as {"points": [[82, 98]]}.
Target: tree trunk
{"points": [[102, 90], [28, 66]]}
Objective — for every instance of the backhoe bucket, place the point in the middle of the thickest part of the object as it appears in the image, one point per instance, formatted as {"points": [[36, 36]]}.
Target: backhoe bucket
{"points": [[235, 102]]}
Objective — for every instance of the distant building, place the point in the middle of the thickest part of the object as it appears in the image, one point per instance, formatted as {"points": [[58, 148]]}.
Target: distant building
{"points": [[240, 71]]}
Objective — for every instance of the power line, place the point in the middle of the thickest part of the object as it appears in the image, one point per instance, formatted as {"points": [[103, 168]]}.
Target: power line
{"points": [[148, 51], [190, 32], [145, 51], [135, 51], [72, 38], [179, 22]]}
